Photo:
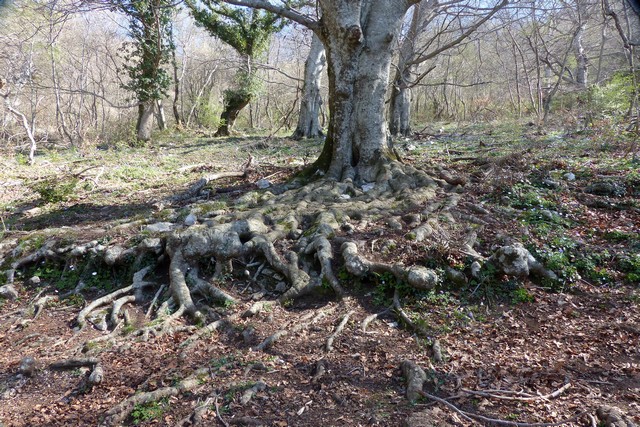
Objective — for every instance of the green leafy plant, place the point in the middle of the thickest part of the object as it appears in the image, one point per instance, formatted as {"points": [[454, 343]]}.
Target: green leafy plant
{"points": [[521, 295], [149, 411], [56, 190]]}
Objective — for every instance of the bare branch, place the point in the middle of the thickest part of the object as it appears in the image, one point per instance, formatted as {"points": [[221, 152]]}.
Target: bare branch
{"points": [[462, 36], [285, 12]]}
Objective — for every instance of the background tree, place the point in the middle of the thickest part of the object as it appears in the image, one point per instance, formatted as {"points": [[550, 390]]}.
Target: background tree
{"points": [[248, 31], [150, 27], [308, 118], [453, 26]]}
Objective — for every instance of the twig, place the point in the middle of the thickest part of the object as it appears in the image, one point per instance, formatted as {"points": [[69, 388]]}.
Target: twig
{"points": [[218, 414]]}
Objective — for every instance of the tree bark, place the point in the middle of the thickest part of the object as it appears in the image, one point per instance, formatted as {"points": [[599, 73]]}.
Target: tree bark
{"points": [[358, 37], [308, 119], [582, 63], [176, 90], [145, 120]]}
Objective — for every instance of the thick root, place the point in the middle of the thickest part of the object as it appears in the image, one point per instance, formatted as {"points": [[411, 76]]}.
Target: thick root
{"points": [[417, 276], [120, 412], [107, 299], [415, 377]]}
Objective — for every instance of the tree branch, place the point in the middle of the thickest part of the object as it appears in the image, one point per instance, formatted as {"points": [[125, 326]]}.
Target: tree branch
{"points": [[462, 36], [285, 12]]}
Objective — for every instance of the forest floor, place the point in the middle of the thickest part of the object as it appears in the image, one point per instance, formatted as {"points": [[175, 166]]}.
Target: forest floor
{"points": [[573, 200]]}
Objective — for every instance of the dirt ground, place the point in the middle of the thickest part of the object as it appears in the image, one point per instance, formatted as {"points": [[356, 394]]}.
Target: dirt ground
{"points": [[504, 351]]}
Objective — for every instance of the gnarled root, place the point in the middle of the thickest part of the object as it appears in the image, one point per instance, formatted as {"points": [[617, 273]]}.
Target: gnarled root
{"points": [[417, 276], [120, 412], [116, 299], [415, 377]]}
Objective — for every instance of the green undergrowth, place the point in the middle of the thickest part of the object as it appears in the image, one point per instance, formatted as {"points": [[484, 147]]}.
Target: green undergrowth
{"points": [[151, 411]]}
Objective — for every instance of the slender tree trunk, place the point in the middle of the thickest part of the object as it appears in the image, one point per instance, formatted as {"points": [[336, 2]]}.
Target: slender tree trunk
{"points": [[308, 119], [176, 90], [358, 37], [25, 125], [400, 104], [582, 64], [160, 116]]}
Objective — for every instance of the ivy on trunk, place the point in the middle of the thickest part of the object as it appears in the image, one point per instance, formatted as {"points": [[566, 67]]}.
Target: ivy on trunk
{"points": [[246, 30], [150, 26]]}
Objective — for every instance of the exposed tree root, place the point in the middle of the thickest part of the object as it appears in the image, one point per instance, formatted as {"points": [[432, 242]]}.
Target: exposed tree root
{"points": [[417, 276], [613, 417], [415, 378], [41, 303], [494, 421], [97, 373], [105, 300], [305, 321], [329, 344], [120, 412], [436, 348], [320, 370], [196, 417], [365, 323], [75, 363], [248, 394], [517, 395], [405, 317], [188, 343]]}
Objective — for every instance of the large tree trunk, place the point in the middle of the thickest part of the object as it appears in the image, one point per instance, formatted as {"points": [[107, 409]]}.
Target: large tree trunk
{"points": [[145, 120], [358, 37], [308, 120]]}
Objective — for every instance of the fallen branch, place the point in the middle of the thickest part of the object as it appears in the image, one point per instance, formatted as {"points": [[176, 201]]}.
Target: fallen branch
{"points": [[218, 414], [89, 362], [196, 188]]}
